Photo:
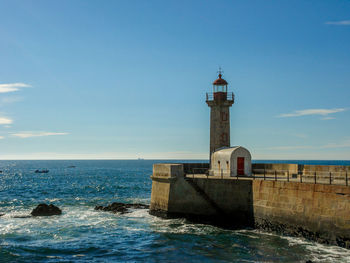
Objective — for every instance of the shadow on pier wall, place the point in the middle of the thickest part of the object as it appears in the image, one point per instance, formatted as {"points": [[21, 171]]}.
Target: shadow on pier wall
{"points": [[224, 203]]}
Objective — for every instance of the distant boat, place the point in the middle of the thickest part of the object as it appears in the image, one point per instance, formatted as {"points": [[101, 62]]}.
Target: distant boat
{"points": [[42, 171], [71, 166]]}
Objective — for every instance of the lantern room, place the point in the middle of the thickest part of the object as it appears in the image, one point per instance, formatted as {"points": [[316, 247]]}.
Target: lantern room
{"points": [[220, 89], [220, 85]]}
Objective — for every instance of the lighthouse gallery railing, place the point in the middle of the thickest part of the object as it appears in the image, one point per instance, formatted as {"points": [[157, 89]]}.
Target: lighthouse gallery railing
{"points": [[223, 96]]}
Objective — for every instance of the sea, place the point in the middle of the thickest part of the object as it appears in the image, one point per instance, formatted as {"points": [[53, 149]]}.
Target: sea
{"points": [[82, 234]]}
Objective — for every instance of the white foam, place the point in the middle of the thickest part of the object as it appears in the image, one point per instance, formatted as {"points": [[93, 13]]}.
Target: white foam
{"points": [[138, 213], [53, 257], [317, 252], [133, 229], [52, 200], [138, 200], [320, 252], [180, 226], [71, 218]]}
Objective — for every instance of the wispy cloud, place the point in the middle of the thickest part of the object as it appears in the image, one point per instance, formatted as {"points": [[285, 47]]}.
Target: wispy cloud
{"points": [[9, 100], [2, 137], [37, 134], [11, 87], [5, 121], [300, 135], [339, 23], [322, 112], [343, 144], [328, 118], [292, 147]]}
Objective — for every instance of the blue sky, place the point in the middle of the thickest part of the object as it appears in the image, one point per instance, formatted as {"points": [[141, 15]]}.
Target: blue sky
{"points": [[127, 79]]}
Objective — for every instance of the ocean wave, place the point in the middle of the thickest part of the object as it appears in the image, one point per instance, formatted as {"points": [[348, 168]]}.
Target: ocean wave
{"points": [[82, 234], [320, 252], [317, 252]]}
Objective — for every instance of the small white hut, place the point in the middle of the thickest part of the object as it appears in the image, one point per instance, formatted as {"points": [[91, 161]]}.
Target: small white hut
{"points": [[231, 161]]}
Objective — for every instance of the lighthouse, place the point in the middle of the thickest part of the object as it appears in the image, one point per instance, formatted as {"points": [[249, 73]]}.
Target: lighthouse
{"points": [[219, 102]]}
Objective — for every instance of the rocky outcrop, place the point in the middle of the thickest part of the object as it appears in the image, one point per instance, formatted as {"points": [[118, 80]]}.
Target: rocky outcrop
{"points": [[46, 210], [121, 207], [2, 214]]}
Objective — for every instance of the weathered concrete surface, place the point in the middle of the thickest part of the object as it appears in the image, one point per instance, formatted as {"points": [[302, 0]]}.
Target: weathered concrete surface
{"points": [[219, 123], [324, 168], [174, 196], [233, 197], [160, 195], [315, 211], [163, 175], [260, 167], [197, 168], [166, 170]]}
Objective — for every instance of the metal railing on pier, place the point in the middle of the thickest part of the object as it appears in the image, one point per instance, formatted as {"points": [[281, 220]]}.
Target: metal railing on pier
{"points": [[308, 176], [315, 177]]}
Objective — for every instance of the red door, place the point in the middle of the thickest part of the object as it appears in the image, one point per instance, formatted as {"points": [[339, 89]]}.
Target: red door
{"points": [[240, 165]]}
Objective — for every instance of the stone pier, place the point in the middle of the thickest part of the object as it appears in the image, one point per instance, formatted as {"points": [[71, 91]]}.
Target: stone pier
{"points": [[318, 212]]}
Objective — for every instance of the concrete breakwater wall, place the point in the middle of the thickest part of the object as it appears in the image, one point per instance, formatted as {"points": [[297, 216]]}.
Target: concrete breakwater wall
{"points": [[202, 199], [316, 211], [297, 169]]}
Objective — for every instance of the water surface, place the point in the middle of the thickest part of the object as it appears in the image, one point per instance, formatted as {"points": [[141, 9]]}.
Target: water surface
{"points": [[82, 234]]}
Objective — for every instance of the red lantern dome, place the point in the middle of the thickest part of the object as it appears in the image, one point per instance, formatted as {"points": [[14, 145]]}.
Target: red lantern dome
{"points": [[220, 81]]}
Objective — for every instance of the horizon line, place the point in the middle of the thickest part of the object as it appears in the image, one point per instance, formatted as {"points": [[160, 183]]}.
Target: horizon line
{"points": [[160, 159]]}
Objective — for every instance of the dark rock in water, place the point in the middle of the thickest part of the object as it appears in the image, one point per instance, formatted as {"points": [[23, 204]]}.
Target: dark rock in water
{"points": [[42, 171], [23, 216], [2, 214], [121, 207], [115, 208], [308, 261], [46, 210]]}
